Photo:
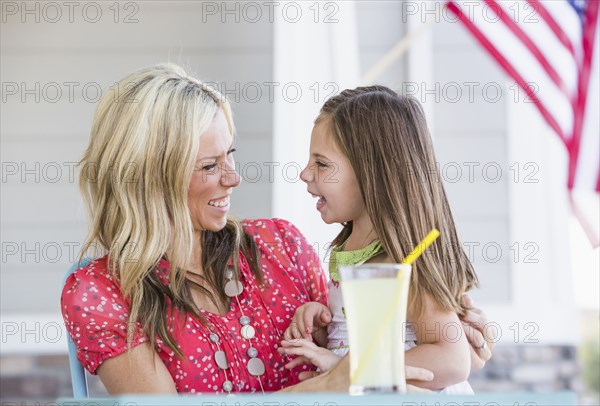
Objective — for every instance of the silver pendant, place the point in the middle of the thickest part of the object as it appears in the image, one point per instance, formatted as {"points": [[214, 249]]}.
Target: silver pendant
{"points": [[227, 386], [244, 320], [221, 360], [229, 273], [248, 332], [214, 338], [233, 288], [256, 367], [252, 352]]}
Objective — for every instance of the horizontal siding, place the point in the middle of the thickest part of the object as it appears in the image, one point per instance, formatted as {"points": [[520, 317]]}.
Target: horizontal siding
{"points": [[471, 146], [47, 214], [175, 25]]}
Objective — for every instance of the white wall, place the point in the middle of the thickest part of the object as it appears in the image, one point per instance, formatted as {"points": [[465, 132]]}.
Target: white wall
{"points": [[513, 211], [470, 133], [240, 53], [53, 134], [334, 56]]}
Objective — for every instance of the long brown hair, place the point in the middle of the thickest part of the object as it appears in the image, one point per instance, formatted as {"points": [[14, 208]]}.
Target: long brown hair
{"points": [[134, 179], [385, 137]]}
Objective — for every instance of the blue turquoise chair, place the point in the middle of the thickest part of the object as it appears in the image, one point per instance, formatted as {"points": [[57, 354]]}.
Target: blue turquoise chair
{"points": [[78, 377]]}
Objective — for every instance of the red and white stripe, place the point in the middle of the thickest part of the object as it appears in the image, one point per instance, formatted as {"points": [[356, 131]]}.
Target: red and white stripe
{"points": [[550, 50]]}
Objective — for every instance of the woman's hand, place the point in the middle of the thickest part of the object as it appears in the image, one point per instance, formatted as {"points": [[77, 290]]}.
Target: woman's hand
{"points": [[417, 374], [481, 334], [337, 379]]}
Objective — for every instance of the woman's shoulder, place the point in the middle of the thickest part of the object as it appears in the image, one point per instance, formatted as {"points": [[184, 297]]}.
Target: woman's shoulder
{"points": [[275, 227], [94, 271], [96, 314], [90, 280], [97, 273], [279, 240], [91, 296], [287, 258]]}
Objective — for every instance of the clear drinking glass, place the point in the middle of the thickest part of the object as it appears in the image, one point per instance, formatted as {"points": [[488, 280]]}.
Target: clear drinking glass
{"points": [[375, 300]]}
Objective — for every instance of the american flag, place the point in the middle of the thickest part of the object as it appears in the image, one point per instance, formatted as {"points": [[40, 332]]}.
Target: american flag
{"points": [[547, 47]]}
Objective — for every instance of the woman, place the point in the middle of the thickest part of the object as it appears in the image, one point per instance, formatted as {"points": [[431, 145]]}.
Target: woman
{"points": [[209, 295]]}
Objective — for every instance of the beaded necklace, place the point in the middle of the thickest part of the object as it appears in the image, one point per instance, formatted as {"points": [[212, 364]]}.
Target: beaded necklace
{"points": [[256, 367]]}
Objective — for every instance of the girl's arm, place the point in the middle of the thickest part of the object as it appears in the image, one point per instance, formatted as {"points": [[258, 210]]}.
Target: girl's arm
{"points": [[442, 346]]}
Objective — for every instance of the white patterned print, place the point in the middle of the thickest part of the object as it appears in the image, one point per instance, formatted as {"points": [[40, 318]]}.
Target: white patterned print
{"points": [[96, 315]]}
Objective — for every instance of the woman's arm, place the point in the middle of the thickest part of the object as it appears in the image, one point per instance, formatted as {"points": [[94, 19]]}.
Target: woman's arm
{"points": [[442, 346], [139, 370], [337, 379]]}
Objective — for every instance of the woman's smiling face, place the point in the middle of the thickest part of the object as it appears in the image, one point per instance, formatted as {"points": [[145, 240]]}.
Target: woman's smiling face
{"points": [[214, 177]]}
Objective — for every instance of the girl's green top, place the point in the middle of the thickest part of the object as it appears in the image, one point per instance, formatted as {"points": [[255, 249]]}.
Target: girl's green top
{"points": [[340, 258]]}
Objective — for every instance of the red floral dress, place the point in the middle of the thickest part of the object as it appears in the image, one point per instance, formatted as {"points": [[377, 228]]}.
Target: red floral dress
{"points": [[96, 315]]}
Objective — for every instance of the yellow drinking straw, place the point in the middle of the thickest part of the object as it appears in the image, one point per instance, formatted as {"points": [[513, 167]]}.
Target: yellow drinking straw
{"points": [[410, 258], [416, 253]]}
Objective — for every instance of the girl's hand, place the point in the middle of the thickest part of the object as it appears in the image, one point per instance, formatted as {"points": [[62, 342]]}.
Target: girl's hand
{"points": [[308, 318], [481, 334], [308, 353]]}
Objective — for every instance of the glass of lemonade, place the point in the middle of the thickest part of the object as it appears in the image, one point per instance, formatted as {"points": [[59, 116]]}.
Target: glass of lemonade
{"points": [[375, 300]]}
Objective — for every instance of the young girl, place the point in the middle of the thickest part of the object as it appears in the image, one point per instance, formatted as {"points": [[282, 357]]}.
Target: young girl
{"points": [[373, 169]]}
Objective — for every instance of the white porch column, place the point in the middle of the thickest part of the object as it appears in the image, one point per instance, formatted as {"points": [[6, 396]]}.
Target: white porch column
{"points": [[315, 57]]}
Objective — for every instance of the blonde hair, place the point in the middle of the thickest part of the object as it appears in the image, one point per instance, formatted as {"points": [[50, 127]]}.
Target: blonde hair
{"points": [[134, 179], [385, 137]]}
